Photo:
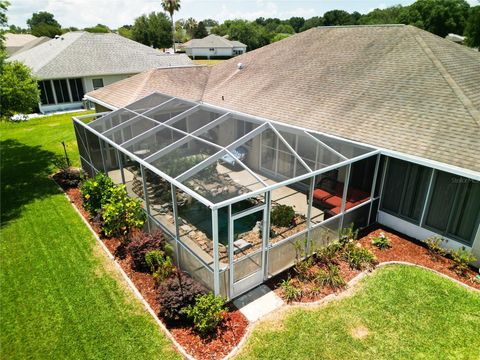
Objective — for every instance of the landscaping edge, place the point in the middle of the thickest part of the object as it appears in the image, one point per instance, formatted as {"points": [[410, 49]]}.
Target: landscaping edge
{"points": [[349, 290]]}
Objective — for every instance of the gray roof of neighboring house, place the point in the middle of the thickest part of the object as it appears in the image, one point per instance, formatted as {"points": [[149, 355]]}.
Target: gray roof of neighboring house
{"points": [[15, 43], [213, 41], [395, 87], [78, 54]]}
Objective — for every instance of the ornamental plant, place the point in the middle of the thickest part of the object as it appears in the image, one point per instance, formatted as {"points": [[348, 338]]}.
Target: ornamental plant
{"points": [[121, 214], [382, 242], [331, 277], [283, 216], [358, 257], [434, 245], [289, 290], [161, 265], [95, 192], [143, 243], [207, 313], [461, 258]]}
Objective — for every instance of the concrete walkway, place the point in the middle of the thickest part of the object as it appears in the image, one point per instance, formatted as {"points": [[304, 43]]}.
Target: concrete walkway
{"points": [[258, 302]]}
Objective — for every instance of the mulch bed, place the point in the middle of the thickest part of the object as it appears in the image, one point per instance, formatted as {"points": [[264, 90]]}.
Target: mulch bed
{"points": [[402, 248], [217, 346]]}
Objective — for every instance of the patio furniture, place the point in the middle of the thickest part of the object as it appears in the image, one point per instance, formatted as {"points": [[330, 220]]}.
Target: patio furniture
{"points": [[240, 154]]}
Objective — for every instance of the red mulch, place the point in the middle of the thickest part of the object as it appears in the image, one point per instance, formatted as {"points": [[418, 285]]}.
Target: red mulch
{"points": [[407, 249], [402, 248], [217, 346]]}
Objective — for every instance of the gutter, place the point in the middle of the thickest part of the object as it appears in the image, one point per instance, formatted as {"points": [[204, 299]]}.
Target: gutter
{"points": [[100, 102]]}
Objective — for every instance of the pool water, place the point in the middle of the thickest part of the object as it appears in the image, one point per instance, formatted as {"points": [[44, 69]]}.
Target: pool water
{"points": [[200, 216]]}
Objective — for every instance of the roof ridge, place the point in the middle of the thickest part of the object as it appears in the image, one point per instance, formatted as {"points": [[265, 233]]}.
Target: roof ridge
{"points": [[62, 50], [457, 90]]}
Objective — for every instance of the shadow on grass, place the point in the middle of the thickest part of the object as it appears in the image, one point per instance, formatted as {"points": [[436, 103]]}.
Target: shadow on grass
{"points": [[24, 178]]}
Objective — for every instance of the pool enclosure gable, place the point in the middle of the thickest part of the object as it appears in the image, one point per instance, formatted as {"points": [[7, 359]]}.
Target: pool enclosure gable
{"points": [[210, 178]]}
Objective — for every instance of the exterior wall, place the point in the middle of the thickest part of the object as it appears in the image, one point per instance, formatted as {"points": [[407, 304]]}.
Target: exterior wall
{"points": [[205, 52], [99, 108], [107, 80], [242, 49], [60, 107]]}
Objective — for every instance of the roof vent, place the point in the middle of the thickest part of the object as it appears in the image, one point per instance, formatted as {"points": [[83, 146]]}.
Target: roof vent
{"points": [[240, 66], [57, 36]]}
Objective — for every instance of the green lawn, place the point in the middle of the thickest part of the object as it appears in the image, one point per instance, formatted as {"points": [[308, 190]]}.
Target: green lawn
{"points": [[59, 297], [409, 313]]}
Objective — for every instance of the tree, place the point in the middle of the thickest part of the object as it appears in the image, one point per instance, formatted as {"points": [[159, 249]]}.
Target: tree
{"points": [[44, 24], [311, 23], [99, 28], [296, 23], [472, 28], [279, 37], [19, 91], [249, 33], [170, 6], [337, 17], [200, 31], [153, 29], [16, 30], [190, 26], [210, 23], [3, 22], [388, 15], [284, 29], [440, 17], [125, 31]]}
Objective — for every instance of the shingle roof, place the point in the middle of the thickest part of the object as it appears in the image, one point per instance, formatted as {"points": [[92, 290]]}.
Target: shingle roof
{"points": [[18, 39], [77, 54], [396, 87], [213, 41]]}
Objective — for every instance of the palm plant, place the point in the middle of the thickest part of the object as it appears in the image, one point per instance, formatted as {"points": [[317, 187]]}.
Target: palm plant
{"points": [[190, 26], [170, 6]]}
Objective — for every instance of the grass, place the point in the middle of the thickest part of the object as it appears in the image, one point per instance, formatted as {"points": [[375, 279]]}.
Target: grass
{"points": [[60, 297], [207, 62], [400, 312]]}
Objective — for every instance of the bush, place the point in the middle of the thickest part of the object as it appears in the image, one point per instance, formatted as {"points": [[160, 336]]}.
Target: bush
{"points": [[122, 214], [328, 254], [283, 216], [461, 258], [69, 177], [143, 243], [290, 291], [207, 313], [95, 192], [347, 235], [382, 242], [161, 265], [175, 294], [330, 277], [434, 245], [358, 257]]}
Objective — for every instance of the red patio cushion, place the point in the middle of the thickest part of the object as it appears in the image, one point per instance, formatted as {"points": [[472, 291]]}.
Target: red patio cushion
{"points": [[321, 194], [334, 201]]}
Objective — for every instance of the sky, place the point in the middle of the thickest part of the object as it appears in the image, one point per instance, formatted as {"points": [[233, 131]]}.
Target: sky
{"points": [[115, 13]]}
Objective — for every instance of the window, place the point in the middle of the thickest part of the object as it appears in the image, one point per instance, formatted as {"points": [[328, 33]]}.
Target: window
{"points": [[405, 189], [46, 92], [454, 208], [76, 88], [61, 91], [212, 49], [97, 83]]}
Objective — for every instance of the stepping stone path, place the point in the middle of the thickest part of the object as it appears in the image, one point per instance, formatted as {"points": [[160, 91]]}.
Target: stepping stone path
{"points": [[258, 302]]}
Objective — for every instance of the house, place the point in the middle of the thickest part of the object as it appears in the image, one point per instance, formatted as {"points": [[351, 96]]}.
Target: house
{"points": [[214, 46], [384, 127], [16, 43], [78, 62]]}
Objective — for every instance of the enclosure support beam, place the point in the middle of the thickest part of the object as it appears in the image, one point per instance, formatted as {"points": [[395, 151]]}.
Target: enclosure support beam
{"points": [[230, 252], [309, 213], [216, 260], [145, 194], [427, 197], [372, 192], [173, 190], [120, 165], [266, 233], [287, 145], [345, 193], [328, 147]]}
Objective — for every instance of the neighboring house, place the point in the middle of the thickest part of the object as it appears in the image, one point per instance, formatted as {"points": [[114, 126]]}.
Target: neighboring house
{"points": [[214, 46], [409, 96], [78, 62], [16, 43]]}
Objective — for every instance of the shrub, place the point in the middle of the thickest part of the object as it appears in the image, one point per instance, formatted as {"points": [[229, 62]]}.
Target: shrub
{"points": [[69, 177], [95, 192], [461, 258], [283, 216], [122, 214], [358, 257], [207, 313], [382, 242], [328, 254], [434, 245], [161, 265], [175, 294], [303, 260], [347, 235], [330, 276], [290, 291], [143, 243]]}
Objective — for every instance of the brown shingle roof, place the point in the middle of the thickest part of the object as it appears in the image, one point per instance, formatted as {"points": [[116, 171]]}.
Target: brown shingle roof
{"points": [[395, 87]]}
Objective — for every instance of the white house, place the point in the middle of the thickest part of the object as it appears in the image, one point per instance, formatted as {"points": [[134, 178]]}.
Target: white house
{"points": [[78, 62], [214, 46]]}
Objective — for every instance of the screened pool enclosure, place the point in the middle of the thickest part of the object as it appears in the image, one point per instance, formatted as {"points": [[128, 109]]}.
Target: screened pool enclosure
{"points": [[210, 178]]}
